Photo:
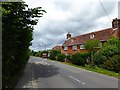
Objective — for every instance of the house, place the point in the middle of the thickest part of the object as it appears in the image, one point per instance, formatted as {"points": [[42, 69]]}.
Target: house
{"points": [[57, 48], [76, 44]]}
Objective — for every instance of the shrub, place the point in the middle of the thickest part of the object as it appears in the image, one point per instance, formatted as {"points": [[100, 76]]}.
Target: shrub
{"points": [[99, 59], [109, 51], [79, 58], [113, 63], [53, 54], [61, 57], [69, 58]]}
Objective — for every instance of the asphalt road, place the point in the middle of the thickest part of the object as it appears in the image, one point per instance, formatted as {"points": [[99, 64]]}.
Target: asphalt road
{"points": [[42, 73]]}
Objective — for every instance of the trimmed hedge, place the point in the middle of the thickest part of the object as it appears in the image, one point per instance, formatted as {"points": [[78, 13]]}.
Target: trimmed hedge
{"points": [[80, 58], [61, 57]]}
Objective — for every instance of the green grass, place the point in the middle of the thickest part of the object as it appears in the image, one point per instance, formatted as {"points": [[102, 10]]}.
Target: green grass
{"points": [[96, 69]]}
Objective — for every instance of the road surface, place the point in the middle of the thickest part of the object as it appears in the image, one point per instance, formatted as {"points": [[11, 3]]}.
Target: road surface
{"points": [[42, 73]]}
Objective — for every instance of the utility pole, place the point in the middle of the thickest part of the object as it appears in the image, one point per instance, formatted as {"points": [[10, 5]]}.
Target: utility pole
{"points": [[45, 47]]}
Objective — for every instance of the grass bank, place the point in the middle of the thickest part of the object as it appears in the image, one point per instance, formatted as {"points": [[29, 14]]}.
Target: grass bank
{"points": [[95, 69]]}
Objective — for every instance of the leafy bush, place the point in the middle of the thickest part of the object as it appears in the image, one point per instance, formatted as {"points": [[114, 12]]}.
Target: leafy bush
{"points": [[109, 51], [99, 59], [108, 56], [53, 54], [80, 58], [113, 64], [61, 57], [38, 54], [68, 58]]}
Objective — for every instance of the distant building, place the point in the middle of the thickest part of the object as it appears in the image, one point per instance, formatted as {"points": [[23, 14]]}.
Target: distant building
{"points": [[76, 44], [57, 48]]}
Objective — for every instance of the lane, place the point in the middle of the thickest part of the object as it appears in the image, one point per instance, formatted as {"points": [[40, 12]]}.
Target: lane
{"points": [[42, 73]]}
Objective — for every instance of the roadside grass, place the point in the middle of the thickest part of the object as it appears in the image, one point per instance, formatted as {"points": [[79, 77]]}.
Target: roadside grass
{"points": [[95, 69]]}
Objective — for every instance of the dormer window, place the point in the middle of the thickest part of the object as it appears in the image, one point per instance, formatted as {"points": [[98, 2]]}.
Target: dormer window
{"points": [[92, 36]]}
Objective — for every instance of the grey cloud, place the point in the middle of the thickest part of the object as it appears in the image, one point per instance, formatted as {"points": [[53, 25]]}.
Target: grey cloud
{"points": [[83, 20], [62, 5]]}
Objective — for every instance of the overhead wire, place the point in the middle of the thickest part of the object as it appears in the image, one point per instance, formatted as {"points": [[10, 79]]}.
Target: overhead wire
{"points": [[105, 11]]}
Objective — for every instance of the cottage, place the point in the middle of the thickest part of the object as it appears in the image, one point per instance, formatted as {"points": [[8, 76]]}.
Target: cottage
{"points": [[76, 44]]}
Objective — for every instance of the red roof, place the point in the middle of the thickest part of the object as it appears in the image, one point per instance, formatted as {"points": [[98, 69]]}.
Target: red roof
{"points": [[102, 35], [57, 48]]}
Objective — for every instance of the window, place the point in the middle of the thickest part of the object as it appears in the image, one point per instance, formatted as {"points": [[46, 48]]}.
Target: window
{"points": [[82, 46], [65, 48], [74, 47], [91, 36]]}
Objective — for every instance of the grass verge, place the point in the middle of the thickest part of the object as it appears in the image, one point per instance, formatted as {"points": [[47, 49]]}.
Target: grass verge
{"points": [[96, 69]]}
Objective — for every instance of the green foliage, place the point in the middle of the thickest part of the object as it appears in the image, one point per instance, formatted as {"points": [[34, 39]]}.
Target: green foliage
{"points": [[69, 58], [61, 57], [80, 58], [99, 59], [113, 41], [113, 63], [53, 54], [91, 45], [109, 51], [17, 28], [108, 56]]}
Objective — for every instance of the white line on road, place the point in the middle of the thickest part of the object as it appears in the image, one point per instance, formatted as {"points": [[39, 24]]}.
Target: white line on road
{"points": [[76, 79]]}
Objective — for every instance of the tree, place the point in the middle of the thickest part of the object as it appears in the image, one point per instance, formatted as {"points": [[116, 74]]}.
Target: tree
{"points": [[17, 27], [92, 46]]}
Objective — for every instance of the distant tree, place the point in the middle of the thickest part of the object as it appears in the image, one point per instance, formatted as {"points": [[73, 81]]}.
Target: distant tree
{"points": [[53, 54], [17, 27]]}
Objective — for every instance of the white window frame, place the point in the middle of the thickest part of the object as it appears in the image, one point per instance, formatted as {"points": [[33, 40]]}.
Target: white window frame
{"points": [[65, 47], [74, 47], [92, 36], [82, 46]]}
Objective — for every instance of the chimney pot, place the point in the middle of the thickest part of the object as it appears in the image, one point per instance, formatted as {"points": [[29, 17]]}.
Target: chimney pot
{"points": [[68, 35]]}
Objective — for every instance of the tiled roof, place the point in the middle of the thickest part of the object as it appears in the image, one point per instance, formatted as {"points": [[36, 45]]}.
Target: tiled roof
{"points": [[57, 48], [102, 35]]}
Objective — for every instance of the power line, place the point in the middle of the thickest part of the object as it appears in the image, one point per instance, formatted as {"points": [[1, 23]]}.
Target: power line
{"points": [[105, 11]]}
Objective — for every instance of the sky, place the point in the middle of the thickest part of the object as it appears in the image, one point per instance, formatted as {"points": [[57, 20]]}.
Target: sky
{"points": [[74, 16]]}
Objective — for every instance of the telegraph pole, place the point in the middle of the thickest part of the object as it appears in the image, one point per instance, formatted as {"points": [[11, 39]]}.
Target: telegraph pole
{"points": [[119, 20]]}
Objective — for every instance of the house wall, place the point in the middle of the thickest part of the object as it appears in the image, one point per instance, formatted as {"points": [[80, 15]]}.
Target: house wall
{"points": [[71, 51]]}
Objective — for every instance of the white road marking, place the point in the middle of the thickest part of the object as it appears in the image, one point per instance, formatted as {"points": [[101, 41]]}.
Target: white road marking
{"points": [[76, 79]]}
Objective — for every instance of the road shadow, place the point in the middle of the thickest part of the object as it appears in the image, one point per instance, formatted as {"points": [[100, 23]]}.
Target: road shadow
{"points": [[35, 71], [43, 71]]}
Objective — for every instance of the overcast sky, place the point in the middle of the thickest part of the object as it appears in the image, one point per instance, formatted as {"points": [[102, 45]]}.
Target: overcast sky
{"points": [[74, 16]]}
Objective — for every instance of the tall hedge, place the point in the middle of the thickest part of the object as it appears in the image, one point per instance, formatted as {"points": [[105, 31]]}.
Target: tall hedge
{"points": [[17, 28]]}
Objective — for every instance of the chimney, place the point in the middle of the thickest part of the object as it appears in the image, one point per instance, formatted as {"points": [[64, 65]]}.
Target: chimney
{"points": [[68, 35], [115, 23]]}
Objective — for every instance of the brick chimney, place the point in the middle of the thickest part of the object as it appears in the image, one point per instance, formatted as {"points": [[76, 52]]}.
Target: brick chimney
{"points": [[115, 23], [68, 35]]}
